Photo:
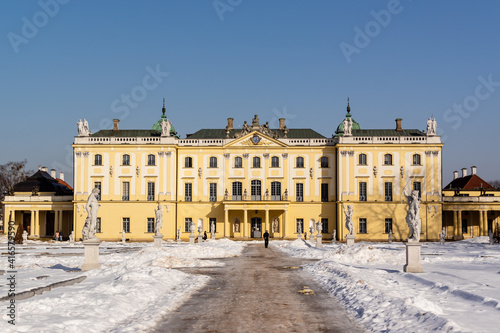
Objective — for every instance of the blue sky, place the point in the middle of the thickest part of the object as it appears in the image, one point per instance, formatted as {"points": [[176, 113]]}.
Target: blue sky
{"points": [[237, 58]]}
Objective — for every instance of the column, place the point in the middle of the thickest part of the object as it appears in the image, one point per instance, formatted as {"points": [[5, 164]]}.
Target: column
{"points": [[455, 223], [226, 223], [56, 220], [32, 223], [267, 220], [481, 223], [37, 223], [459, 225], [285, 222], [245, 223], [485, 223]]}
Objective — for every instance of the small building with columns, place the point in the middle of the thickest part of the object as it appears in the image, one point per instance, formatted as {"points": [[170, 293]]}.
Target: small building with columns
{"points": [[471, 206], [42, 204]]}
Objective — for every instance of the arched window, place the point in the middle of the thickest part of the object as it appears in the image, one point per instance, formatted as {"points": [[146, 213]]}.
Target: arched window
{"points": [[416, 159], [299, 162], [188, 162], [256, 162], [362, 159], [275, 162], [213, 162], [98, 159], [151, 159], [324, 162], [387, 159], [126, 159], [238, 162]]}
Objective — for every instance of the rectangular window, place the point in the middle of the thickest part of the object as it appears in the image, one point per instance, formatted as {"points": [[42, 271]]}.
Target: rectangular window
{"points": [[300, 222], [213, 192], [299, 192], [388, 226], [275, 191], [98, 159], [324, 162], [324, 192], [187, 224], [151, 224], [98, 185], [324, 225], [255, 190], [388, 191], [213, 162], [464, 226], [362, 226], [126, 160], [237, 186], [126, 224], [275, 162], [417, 186], [210, 220], [188, 192], [151, 159], [362, 191], [126, 191], [98, 225], [151, 191]]}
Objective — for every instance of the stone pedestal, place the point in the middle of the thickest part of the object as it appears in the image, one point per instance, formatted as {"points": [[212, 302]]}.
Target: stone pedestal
{"points": [[191, 238], [91, 254], [200, 238], [319, 240], [413, 264], [157, 240], [350, 240], [178, 240], [213, 236], [299, 236]]}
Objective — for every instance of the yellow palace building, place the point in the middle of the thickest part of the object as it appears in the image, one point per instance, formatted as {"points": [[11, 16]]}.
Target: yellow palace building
{"points": [[251, 179]]}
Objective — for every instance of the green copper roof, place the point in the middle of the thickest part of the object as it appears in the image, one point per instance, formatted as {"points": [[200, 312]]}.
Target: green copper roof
{"points": [[340, 128], [157, 126]]}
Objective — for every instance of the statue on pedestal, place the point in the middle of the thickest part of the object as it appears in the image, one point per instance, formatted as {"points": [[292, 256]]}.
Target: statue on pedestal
{"points": [[413, 215], [165, 127], [89, 229], [348, 219], [212, 228], [72, 236], [159, 220], [25, 236], [83, 127], [431, 126]]}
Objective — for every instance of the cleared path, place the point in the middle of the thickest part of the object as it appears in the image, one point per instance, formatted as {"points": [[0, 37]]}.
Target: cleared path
{"points": [[260, 291]]}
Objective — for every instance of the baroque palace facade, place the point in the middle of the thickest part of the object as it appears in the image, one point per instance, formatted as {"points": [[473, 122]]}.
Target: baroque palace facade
{"points": [[251, 179], [255, 178]]}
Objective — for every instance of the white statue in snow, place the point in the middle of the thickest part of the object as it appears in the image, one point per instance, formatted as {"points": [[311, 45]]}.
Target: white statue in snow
{"points": [[192, 227], [159, 220], [299, 228], [165, 127], [89, 229], [212, 228], [413, 215], [179, 233], [348, 219], [319, 227], [25, 236], [72, 237]]}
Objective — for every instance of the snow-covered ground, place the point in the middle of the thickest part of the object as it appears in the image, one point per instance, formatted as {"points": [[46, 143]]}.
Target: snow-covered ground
{"points": [[135, 286], [458, 292]]}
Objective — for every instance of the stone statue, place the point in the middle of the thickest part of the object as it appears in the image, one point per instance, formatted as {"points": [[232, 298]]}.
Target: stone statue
{"points": [[236, 227], [442, 236], [245, 195], [72, 237], [334, 235], [179, 233], [255, 122], [83, 127], [245, 128], [264, 129], [165, 127], [348, 219], [285, 195], [200, 226], [89, 229], [226, 195], [212, 228], [390, 236], [347, 126], [431, 126], [192, 227], [413, 215], [276, 224], [159, 220], [299, 228], [86, 127], [319, 227], [490, 236], [25, 236]]}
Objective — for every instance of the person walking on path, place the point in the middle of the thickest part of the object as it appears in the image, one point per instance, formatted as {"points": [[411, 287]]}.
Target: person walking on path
{"points": [[266, 238]]}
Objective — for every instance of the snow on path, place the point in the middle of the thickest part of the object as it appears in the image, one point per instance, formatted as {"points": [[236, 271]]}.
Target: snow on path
{"points": [[458, 292], [134, 287]]}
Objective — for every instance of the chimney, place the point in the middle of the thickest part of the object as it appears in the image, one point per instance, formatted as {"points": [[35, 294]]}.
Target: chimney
{"points": [[61, 176], [230, 123], [115, 124], [464, 172], [473, 170], [44, 169], [455, 175], [53, 173], [398, 125], [282, 123]]}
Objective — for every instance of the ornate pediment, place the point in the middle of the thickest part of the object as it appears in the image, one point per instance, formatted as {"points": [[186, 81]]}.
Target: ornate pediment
{"points": [[256, 139]]}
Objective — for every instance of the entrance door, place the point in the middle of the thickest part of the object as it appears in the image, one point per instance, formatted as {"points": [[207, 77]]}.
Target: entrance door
{"points": [[256, 225], [27, 222], [49, 224]]}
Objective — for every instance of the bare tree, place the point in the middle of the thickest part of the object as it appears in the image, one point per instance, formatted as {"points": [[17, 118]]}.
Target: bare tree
{"points": [[11, 174], [495, 183]]}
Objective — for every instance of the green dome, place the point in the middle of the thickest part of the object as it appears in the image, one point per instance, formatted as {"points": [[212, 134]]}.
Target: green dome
{"points": [[340, 128], [157, 125]]}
